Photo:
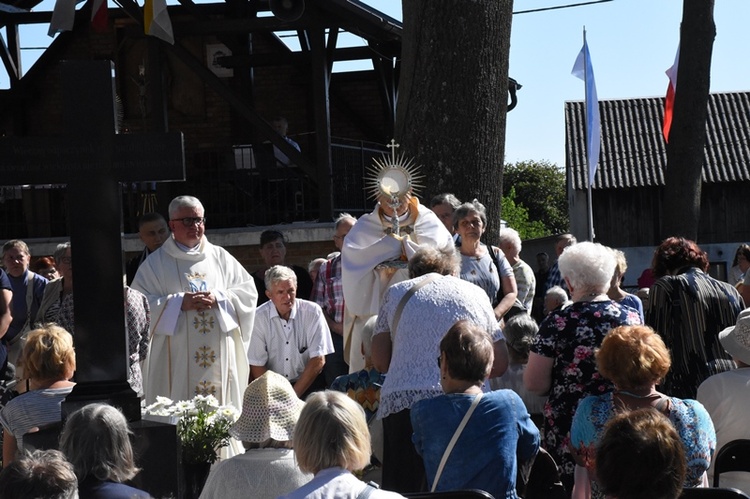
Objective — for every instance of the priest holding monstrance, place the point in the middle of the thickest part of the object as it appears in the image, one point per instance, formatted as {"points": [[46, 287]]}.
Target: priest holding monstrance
{"points": [[378, 247]]}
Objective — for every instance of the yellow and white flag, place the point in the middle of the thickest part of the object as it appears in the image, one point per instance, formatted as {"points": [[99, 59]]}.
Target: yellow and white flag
{"points": [[156, 20]]}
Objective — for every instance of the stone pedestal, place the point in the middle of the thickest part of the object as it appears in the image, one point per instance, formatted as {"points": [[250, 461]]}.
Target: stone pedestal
{"points": [[156, 454]]}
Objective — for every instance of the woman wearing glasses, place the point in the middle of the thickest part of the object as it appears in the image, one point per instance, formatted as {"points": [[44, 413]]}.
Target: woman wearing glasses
{"points": [[57, 308], [484, 266], [57, 301]]}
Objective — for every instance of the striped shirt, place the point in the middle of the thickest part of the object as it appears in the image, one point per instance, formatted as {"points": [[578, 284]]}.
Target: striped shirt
{"points": [[32, 409], [689, 310]]}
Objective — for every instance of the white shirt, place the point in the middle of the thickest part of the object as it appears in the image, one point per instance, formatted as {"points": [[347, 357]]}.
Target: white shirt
{"points": [[336, 483], [286, 346], [258, 473]]}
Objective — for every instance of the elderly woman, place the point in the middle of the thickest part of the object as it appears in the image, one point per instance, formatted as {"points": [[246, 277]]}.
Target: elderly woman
{"points": [[414, 317], [57, 301], [561, 362], [498, 430], [331, 441], [267, 469], [486, 267], [635, 359], [520, 332], [49, 362], [688, 308], [641, 457], [96, 441], [615, 292], [57, 307], [273, 252], [28, 289], [510, 242]]}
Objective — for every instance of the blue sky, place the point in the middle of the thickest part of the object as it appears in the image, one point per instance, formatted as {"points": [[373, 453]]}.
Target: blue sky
{"points": [[632, 43]]}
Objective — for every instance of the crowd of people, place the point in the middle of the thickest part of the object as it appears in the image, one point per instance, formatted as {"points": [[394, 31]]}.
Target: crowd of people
{"points": [[479, 361]]}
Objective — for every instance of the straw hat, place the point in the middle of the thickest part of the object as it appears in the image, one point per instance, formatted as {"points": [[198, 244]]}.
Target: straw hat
{"points": [[270, 409], [736, 339]]}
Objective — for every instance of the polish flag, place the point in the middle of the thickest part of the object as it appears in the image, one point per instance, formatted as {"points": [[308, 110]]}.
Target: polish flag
{"points": [[669, 101], [99, 15]]}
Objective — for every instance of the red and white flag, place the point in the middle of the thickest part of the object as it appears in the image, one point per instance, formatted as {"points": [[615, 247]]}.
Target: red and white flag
{"points": [[99, 15], [669, 101]]}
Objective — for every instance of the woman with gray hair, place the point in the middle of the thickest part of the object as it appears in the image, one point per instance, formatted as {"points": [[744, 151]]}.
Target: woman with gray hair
{"points": [[561, 362], [484, 266], [57, 300], [510, 242], [96, 441]]}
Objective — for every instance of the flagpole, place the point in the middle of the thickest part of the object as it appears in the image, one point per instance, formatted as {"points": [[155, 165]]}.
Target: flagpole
{"points": [[589, 211]]}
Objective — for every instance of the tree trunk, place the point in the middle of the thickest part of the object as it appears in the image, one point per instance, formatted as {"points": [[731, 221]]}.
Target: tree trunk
{"points": [[453, 97], [687, 138]]}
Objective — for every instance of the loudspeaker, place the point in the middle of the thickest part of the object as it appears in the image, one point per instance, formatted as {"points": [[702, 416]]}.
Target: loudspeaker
{"points": [[287, 10]]}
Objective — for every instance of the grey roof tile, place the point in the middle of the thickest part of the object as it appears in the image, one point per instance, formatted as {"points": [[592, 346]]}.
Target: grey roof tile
{"points": [[633, 152]]}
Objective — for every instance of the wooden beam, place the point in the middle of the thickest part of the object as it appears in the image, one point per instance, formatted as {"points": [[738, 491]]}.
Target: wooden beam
{"points": [[320, 85]]}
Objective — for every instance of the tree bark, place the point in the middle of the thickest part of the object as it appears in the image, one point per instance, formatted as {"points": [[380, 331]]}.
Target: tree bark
{"points": [[453, 97], [687, 138]]}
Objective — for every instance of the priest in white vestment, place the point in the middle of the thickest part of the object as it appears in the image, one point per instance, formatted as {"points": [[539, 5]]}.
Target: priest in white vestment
{"points": [[373, 258], [202, 312]]}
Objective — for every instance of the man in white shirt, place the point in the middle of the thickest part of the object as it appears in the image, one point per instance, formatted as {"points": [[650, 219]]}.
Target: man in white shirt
{"points": [[291, 336]]}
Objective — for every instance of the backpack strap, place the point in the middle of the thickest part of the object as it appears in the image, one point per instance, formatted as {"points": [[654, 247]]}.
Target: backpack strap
{"points": [[370, 487]]}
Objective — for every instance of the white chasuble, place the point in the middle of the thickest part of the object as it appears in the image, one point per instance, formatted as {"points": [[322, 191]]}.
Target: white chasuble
{"points": [[372, 259], [197, 352]]}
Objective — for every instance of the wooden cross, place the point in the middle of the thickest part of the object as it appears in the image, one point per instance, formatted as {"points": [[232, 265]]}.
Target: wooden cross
{"points": [[92, 159]]}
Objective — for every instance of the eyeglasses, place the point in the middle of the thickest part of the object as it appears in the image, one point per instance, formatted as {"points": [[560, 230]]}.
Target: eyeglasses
{"points": [[190, 221]]}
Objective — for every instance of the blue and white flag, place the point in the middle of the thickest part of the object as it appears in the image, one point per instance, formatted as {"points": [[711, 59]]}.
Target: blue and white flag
{"points": [[584, 70]]}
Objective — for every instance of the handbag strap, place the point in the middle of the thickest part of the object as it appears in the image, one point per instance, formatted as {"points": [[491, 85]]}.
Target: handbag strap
{"points": [[401, 304], [453, 441]]}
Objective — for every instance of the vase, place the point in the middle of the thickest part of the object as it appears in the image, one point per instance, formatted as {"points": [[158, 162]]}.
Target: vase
{"points": [[194, 476]]}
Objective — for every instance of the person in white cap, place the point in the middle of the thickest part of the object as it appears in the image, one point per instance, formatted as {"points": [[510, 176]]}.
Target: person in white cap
{"points": [[726, 396], [267, 469]]}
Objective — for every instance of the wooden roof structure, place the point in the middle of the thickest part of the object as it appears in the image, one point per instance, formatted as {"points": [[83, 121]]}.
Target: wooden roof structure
{"points": [[316, 25]]}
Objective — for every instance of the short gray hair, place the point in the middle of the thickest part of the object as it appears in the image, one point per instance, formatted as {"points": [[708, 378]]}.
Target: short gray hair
{"points": [[510, 236], [558, 293], [60, 251], [96, 440], [588, 266], [445, 198], [520, 331], [278, 273], [427, 259], [342, 217], [182, 202], [466, 208]]}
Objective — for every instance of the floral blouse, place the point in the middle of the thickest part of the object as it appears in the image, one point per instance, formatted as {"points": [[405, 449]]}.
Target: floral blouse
{"points": [[570, 336], [689, 417]]}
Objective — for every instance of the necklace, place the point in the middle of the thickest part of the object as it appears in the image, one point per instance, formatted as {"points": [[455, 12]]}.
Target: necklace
{"points": [[630, 394]]}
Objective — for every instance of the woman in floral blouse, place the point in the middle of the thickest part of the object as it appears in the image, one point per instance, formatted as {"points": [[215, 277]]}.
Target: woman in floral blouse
{"points": [[635, 359], [561, 362]]}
